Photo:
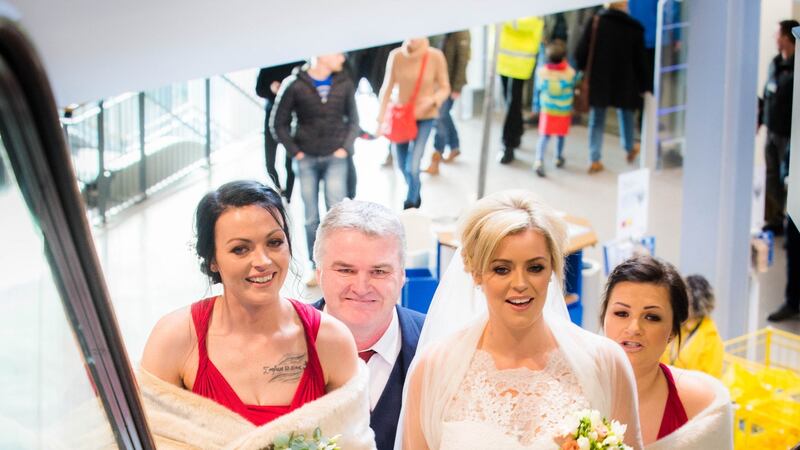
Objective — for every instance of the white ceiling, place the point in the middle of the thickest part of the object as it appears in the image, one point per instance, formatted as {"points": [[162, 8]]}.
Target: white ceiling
{"points": [[97, 48]]}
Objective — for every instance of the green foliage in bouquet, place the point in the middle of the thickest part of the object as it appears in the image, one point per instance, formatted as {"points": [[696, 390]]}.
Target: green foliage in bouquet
{"points": [[593, 432], [294, 441]]}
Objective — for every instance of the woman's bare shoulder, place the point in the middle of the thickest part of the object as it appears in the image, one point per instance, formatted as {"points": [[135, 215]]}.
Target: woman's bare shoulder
{"points": [[696, 390], [169, 345], [334, 335], [337, 352]]}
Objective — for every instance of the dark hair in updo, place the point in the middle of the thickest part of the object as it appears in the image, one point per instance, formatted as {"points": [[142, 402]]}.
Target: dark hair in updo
{"points": [[235, 194], [651, 270]]}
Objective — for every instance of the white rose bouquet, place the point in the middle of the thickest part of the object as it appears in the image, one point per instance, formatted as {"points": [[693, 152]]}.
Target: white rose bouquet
{"points": [[593, 432]]}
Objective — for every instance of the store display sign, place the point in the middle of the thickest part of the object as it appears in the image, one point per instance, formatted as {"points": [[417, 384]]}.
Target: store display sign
{"points": [[633, 199]]}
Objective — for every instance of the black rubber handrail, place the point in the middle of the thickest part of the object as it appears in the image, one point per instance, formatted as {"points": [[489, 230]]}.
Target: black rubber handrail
{"points": [[41, 162]]}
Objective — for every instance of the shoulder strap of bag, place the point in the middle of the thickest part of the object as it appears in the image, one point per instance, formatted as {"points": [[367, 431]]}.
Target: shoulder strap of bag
{"points": [[595, 22], [419, 79]]}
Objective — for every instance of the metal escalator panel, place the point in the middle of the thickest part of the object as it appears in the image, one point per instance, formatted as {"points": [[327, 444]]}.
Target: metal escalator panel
{"points": [[65, 380]]}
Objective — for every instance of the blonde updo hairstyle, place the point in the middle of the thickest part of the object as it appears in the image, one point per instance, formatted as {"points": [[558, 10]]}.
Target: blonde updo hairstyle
{"points": [[505, 213]]}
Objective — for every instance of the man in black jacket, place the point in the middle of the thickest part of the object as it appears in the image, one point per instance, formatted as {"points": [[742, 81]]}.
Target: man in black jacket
{"points": [[618, 77], [269, 81], [321, 98], [360, 254], [776, 114]]}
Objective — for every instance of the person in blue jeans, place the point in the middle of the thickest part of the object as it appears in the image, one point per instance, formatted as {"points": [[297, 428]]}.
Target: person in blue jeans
{"points": [[597, 127], [456, 49], [420, 74], [322, 99], [329, 171], [409, 157], [618, 76]]}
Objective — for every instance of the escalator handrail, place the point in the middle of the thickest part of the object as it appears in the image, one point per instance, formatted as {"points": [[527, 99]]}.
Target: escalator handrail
{"points": [[40, 158]]}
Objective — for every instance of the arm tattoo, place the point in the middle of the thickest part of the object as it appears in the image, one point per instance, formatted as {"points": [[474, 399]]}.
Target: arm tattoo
{"points": [[288, 369]]}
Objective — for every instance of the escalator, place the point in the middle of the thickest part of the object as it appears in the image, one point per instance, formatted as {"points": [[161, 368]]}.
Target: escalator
{"points": [[65, 378]]}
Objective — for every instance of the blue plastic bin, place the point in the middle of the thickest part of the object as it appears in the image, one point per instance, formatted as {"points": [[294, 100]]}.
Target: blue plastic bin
{"points": [[418, 290]]}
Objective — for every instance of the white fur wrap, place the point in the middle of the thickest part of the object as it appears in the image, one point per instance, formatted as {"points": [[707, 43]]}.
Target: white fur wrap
{"points": [[711, 429], [180, 419]]}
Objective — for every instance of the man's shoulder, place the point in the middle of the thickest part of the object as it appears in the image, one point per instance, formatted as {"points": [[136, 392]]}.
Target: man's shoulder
{"points": [[409, 315]]}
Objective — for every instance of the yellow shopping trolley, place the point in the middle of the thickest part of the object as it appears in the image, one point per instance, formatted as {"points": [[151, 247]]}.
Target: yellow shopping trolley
{"points": [[762, 371]]}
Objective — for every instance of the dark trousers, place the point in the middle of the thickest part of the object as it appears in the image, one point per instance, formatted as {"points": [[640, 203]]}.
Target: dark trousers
{"points": [[512, 127], [792, 266], [352, 179], [650, 68], [270, 151], [776, 154]]}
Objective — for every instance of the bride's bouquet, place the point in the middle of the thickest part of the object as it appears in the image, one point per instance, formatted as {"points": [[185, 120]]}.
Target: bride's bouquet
{"points": [[301, 442], [593, 432]]}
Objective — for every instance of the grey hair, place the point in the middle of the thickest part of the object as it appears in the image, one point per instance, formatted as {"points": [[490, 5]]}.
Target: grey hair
{"points": [[701, 296], [369, 218]]}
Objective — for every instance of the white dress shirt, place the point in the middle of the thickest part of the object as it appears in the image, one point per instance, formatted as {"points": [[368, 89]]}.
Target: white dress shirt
{"points": [[387, 349]]}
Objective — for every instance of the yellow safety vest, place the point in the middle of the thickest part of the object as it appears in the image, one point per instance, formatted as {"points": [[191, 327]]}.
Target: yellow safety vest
{"points": [[519, 45]]}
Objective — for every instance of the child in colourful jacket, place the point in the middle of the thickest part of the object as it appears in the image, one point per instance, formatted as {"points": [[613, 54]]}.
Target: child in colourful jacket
{"points": [[556, 85]]}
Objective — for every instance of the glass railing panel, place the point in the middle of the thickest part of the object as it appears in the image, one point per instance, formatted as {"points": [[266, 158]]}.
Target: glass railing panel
{"points": [[670, 83], [150, 139], [236, 112], [46, 397]]}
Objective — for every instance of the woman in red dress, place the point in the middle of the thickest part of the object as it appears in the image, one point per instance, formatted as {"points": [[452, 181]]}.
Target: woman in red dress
{"points": [[249, 349], [644, 305]]}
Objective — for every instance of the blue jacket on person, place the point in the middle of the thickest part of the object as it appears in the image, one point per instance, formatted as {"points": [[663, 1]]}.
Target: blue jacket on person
{"points": [[384, 418]]}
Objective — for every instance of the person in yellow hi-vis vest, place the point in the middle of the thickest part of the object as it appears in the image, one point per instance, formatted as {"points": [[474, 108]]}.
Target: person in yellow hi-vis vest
{"points": [[516, 61]]}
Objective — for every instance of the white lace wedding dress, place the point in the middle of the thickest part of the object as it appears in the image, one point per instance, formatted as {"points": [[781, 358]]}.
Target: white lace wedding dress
{"points": [[513, 408]]}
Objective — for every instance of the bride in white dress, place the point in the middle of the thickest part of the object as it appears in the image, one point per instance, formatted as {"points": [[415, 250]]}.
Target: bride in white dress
{"points": [[499, 364]]}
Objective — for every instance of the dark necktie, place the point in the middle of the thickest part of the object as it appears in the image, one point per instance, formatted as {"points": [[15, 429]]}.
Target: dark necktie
{"points": [[366, 355]]}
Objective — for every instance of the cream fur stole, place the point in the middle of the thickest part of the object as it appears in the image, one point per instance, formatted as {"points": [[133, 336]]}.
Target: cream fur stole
{"points": [[711, 429], [180, 419]]}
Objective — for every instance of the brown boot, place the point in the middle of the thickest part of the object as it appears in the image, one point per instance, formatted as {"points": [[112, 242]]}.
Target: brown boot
{"points": [[631, 156], [433, 169], [454, 152], [596, 166]]}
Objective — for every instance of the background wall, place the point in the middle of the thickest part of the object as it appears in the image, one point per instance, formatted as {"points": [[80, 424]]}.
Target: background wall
{"points": [[97, 48]]}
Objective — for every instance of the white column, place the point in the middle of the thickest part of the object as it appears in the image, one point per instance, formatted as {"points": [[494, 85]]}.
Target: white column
{"points": [[718, 162]]}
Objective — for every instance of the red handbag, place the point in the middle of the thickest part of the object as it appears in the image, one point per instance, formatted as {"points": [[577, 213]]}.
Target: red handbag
{"points": [[399, 123]]}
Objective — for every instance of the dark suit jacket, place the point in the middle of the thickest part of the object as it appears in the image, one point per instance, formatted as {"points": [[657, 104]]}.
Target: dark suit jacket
{"points": [[383, 419]]}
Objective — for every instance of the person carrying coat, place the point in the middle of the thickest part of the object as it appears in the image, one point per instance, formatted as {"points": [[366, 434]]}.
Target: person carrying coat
{"points": [[618, 77]]}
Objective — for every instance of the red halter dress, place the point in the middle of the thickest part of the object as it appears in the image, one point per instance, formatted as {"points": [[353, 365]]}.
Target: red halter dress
{"points": [[210, 383], [674, 414]]}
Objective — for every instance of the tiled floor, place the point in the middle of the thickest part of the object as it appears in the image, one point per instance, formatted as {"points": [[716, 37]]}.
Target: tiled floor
{"points": [[147, 252]]}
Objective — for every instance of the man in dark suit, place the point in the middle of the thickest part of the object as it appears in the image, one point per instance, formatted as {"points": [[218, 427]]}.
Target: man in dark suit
{"points": [[360, 254]]}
